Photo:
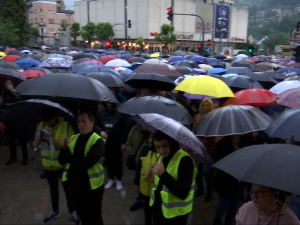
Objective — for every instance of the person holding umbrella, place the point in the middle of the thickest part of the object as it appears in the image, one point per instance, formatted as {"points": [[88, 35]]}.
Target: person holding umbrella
{"points": [[265, 209]]}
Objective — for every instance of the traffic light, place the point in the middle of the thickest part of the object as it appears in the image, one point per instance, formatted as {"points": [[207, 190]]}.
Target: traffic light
{"points": [[297, 53], [108, 44], [251, 50], [170, 13], [129, 23], [298, 26], [199, 48]]}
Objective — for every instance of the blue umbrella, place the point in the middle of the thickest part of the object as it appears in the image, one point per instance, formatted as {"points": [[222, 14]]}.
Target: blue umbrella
{"points": [[240, 70], [102, 54], [219, 71], [77, 67], [212, 60], [288, 70], [27, 63], [198, 59], [177, 59], [216, 65], [126, 56], [135, 65]]}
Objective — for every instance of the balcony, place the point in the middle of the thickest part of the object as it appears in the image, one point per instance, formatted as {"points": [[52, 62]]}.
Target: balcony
{"points": [[41, 24]]}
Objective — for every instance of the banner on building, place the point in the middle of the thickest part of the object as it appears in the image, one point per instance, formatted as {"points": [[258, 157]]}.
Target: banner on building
{"points": [[222, 21], [206, 11]]}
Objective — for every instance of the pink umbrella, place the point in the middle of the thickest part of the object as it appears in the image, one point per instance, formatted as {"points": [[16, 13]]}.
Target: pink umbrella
{"points": [[94, 62]]}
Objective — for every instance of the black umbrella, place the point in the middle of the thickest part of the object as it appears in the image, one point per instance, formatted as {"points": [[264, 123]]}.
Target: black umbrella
{"points": [[286, 125], [35, 56], [84, 55], [220, 57], [242, 82], [66, 87], [264, 79], [107, 79], [232, 119], [79, 66], [139, 59], [275, 75], [240, 70], [243, 63], [58, 70], [151, 80], [83, 60], [185, 70], [271, 165], [9, 65], [11, 74], [15, 53], [217, 65], [31, 114], [156, 104], [41, 69], [296, 77], [189, 64], [85, 68], [145, 56]]}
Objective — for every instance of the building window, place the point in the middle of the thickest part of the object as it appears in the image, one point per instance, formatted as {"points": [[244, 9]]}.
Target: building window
{"points": [[35, 11], [51, 21], [51, 30], [41, 20], [64, 21], [35, 20], [41, 10], [31, 21], [50, 11]]}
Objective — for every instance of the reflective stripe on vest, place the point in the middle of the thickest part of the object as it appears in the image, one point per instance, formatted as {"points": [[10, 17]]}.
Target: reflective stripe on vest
{"points": [[173, 206], [50, 159], [96, 172]]}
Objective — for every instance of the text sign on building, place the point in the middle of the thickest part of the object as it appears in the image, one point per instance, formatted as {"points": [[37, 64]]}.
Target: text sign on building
{"points": [[206, 11], [222, 21], [185, 36]]}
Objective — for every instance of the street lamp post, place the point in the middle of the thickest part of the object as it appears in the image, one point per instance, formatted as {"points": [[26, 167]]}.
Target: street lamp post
{"points": [[221, 20]]}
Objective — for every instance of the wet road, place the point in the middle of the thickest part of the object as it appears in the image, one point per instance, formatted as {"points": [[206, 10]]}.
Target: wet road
{"points": [[25, 198]]}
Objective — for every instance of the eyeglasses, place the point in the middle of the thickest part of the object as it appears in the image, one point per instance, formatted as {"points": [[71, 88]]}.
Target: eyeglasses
{"points": [[259, 194]]}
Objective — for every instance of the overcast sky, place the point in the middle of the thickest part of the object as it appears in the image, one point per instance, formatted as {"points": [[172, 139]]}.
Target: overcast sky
{"points": [[69, 3]]}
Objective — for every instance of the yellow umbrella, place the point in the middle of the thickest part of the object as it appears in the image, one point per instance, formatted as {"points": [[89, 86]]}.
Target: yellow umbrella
{"points": [[2, 54], [205, 85], [155, 55]]}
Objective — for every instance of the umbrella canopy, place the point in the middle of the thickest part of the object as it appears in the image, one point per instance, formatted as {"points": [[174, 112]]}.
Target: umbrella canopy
{"points": [[243, 63], [32, 74], [39, 69], [296, 77], [126, 56], [177, 59], [32, 114], [118, 62], [284, 86], [205, 85], [215, 65], [138, 59], [154, 122], [220, 57], [107, 79], [253, 97], [288, 70], [240, 70], [27, 63], [154, 61], [56, 56], [262, 77], [34, 56], [96, 69], [10, 74], [9, 65], [189, 64], [66, 86], [232, 119], [198, 97], [10, 49], [242, 56], [84, 55], [11, 58], [152, 81], [84, 60], [205, 67], [286, 125], [260, 164], [198, 59], [156, 104], [155, 55], [212, 60], [219, 71], [56, 63], [289, 98], [163, 69], [179, 52], [2, 54], [15, 52], [185, 70], [242, 82], [263, 66], [275, 75], [92, 62], [79, 66], [106, 58]]}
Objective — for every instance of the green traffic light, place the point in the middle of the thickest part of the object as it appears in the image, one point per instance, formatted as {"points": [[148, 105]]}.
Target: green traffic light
{"points": [[250, 50]]}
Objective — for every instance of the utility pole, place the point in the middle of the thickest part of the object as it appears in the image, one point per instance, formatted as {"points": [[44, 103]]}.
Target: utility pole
{"points": [[88, 10], [172, 6], [125, 19]]}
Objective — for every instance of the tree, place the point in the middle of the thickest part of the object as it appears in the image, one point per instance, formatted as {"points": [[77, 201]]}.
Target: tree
{"points": [[166, 37], [75, 31], [103, 31], [63, 26], [88, 32], [32, 31], [140, 41], [9, 34], [270, 13], [273, 40]]}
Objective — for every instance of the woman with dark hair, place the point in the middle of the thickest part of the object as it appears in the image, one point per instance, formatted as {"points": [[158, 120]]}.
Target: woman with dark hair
{"points": [[174, 176]]}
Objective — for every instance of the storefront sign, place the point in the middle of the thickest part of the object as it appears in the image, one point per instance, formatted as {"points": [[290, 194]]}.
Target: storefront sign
{"points": [[222, 21], [153, 34], [235, 39], [185, 36]]}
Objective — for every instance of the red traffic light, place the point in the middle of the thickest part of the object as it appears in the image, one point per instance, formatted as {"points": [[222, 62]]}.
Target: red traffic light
{"points": [[199, 46], [108, 44], [170, 9]]}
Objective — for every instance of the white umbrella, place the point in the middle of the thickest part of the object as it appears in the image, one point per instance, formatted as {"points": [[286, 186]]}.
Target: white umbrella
{"points": [[118, 63], [285, 85], [205, 67], [242, 56], [154, 61], [25, 51]]}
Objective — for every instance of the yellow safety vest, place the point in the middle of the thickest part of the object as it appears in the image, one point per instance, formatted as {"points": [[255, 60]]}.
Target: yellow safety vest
{"points": [[173, 206], [96, 172], [147, 163], [50, 159]]}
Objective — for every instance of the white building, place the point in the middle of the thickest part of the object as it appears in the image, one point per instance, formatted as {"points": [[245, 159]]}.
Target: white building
{"points": [[147, 16]]}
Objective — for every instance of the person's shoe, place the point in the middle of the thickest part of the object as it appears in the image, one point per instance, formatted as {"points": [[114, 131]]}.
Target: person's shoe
{"points": [[25, 162], [11, 161], [136, 206], [43, 175], [109, 184], [75, 218], [119, 185], [52, 216]]}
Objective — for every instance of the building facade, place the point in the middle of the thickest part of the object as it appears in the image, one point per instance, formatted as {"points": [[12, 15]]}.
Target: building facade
{"points": [[48, 16], [148, 16]]}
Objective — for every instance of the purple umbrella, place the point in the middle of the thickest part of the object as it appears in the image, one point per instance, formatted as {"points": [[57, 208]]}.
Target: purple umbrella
{"points": [[198, 97]]}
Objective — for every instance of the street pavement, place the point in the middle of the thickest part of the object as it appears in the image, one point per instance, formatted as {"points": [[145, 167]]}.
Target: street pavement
{"points": [[25, 198]]}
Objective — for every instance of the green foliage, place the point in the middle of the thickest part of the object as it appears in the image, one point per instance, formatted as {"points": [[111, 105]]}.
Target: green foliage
{"points": [[75, 31], [139, 41], [273, 40], [63, 26], [270, 13], [166, 35], [103, 31], [88, 32], [9, 34], [32, 31]]}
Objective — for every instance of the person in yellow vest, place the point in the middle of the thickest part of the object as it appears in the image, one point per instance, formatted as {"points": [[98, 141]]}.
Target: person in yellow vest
{"points": [[84, 154], [53, 169], [174, 176]]}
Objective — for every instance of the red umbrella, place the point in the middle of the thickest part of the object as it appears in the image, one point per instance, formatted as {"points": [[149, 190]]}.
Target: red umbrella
{"points": [[130, 59], [10, 49], [10, 58], [106, 58], [253, 97], [28, 74]]}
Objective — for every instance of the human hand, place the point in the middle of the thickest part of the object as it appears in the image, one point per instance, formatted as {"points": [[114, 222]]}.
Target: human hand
{"points": [[66, 143], [103, 135], [123, 147], [149, 175], [159, 168], [9, 86], [56, 143]]}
